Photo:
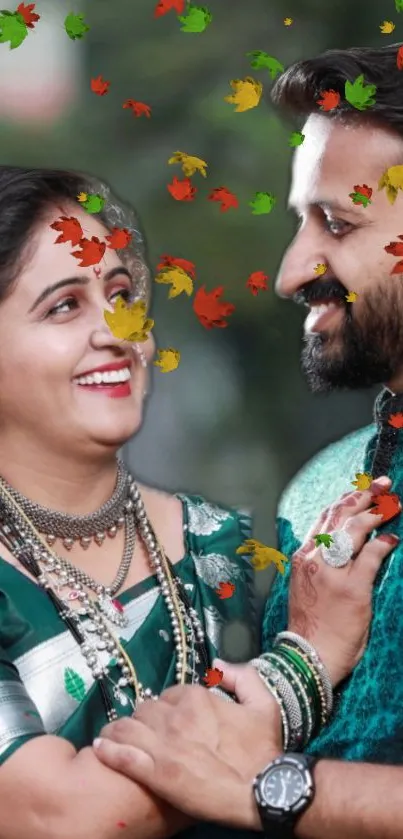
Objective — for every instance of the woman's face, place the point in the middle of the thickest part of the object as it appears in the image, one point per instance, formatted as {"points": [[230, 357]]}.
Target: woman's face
{"points": [[50, 337]]}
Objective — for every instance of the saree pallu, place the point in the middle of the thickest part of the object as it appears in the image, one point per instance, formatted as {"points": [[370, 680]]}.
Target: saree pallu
{"points": [[46, 686]]}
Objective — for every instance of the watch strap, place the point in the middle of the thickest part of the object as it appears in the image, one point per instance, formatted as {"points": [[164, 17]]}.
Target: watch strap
{"points": [[283, 827]]}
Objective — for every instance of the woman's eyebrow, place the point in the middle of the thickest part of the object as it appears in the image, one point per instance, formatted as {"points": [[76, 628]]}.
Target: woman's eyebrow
{"points": [[79, 280]]}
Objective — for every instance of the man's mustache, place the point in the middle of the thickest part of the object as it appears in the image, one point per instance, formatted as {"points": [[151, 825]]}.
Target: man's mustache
{"points": [[320, 292]]}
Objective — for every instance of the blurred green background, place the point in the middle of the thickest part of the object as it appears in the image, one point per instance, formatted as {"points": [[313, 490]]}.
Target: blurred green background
{"points": [[235, 421]]}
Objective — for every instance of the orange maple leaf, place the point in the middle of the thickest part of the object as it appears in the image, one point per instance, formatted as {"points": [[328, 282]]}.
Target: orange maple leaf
{"points": [[399, 59], [172, 261], [182, 190], [99, 86], [138, 108], [257, 282], [227, 198], [387, 505], [71, 230], [119, 238], [329, 100], [90, 251], [225, 590], [396, 420], [165, 6], [209, 309], [213, 677], [396, 249], [30, 17]]}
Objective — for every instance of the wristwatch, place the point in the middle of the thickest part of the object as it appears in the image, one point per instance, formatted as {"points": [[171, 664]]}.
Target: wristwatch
{"points": [[283, 791]]}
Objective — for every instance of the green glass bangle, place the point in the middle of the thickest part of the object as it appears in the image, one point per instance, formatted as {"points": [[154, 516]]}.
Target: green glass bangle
{"points": [[305, 670], [286, 669]]}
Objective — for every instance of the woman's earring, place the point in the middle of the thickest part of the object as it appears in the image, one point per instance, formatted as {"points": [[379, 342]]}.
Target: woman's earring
{"points": [[141, 354]]}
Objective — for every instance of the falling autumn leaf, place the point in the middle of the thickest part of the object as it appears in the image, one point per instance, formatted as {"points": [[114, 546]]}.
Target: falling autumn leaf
{"points": [[168, 261], [351, 297], [129, 322], [247, 94], [262, 555], [396, 420], [179, 280], [119, 238], [225, 197], [213, 677], [27, 13], [396, 249], [387, 505], [387, 27], [329, 100], [399, 58], [225, 590], [257, 282], [363, 480], [182, 190], [210, 310], [165, 6], [90, 251], [190, 165], [325, 539], [139, 109], [168, 360], [100, 86], [91, 202], [287, 21], [71, 230], [320, 269]]}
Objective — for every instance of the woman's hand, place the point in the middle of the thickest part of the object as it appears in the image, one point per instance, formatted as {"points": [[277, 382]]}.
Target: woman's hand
{"points": [[332, 607], [198, 752]]}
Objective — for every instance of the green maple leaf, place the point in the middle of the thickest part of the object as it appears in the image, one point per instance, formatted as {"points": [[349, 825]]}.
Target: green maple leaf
{"points": [[360, 95], [263, 202], [323, 539], [296, 139], [75, 26], [93, 203], [13, 29], [359, 198], [74, 684], [197, 18], [264, 61], [399, 5]]}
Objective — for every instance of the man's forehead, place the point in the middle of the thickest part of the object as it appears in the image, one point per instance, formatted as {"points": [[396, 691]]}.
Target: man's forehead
{"points": [[334, 156]]}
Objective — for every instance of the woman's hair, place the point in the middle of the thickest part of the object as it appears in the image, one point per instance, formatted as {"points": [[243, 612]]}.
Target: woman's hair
{"points": [[27, 195], [298, 88]]}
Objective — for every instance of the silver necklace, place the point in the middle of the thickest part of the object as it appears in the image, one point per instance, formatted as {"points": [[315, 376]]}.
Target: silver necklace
{"points": [[107, 520]]}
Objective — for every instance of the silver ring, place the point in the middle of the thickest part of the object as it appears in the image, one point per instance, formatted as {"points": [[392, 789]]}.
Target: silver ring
{"points": [[340, 551]]}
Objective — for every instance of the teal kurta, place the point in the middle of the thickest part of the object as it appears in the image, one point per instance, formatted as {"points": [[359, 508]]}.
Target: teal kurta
{"points": [[367, 724], [45, 684]]}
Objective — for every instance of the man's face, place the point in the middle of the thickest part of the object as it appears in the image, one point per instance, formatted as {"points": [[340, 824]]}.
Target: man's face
{"points": [[358, 344]]}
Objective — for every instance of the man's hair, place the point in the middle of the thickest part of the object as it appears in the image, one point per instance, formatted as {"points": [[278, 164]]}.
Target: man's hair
{"points": [[297, 90], [27, 196]]}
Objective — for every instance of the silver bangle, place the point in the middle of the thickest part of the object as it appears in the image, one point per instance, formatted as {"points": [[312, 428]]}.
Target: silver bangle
{"points": [[301, 688], [289, 697], [316, 661], [277, 697]]}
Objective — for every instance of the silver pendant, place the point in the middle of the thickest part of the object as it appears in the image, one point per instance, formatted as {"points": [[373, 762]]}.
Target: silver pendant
{"points": [[112, 609]]}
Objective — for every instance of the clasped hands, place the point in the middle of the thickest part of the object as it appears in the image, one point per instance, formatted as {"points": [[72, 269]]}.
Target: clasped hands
{"points": [[198, 752]]}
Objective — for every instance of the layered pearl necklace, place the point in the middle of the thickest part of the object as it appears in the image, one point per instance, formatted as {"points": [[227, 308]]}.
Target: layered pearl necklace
{"points": [[56, 575]]}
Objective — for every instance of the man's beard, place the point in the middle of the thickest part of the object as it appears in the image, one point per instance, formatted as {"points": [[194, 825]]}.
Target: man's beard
{"points": [[369, 347]]}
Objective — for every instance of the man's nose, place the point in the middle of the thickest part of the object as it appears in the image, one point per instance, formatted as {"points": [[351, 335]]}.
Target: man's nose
{"points": [[299, 263]]}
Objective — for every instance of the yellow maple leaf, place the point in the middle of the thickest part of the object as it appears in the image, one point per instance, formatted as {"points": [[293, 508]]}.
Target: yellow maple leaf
{"points": [[320, 268], [129, 322], [262, 555], [181, 281], [190, 164], [363, 480], [82, 196], [287, 21], [168, 360], [392, 181], [351, 297], [387, 27], [247, 93]]}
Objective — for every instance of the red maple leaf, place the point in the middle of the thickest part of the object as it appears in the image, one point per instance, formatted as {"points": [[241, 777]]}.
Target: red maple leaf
{"points": [[396, 249], [399, 59], [387, 505], [225, 590], [363, 190], [119, 238], [99, 86], [257, 282], [71, 230], [138, 108], [227, 198], [182, 190], [90, 251], [209, 309], [169, 261], [213, 677], [396, 420], [30, 17], [165, 6], [330, 100]]}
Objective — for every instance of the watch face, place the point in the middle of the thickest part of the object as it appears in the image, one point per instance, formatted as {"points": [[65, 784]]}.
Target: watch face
{"points": [[282, 786]]}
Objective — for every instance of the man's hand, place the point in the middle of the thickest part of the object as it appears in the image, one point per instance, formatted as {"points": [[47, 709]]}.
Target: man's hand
{"points": [[197, 751]]}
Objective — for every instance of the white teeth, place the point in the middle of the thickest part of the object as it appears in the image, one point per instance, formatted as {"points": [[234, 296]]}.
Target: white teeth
{"points": [[108, 377]]}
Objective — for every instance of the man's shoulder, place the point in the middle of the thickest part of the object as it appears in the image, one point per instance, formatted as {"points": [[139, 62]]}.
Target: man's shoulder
{"points": [[323, 479]]}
